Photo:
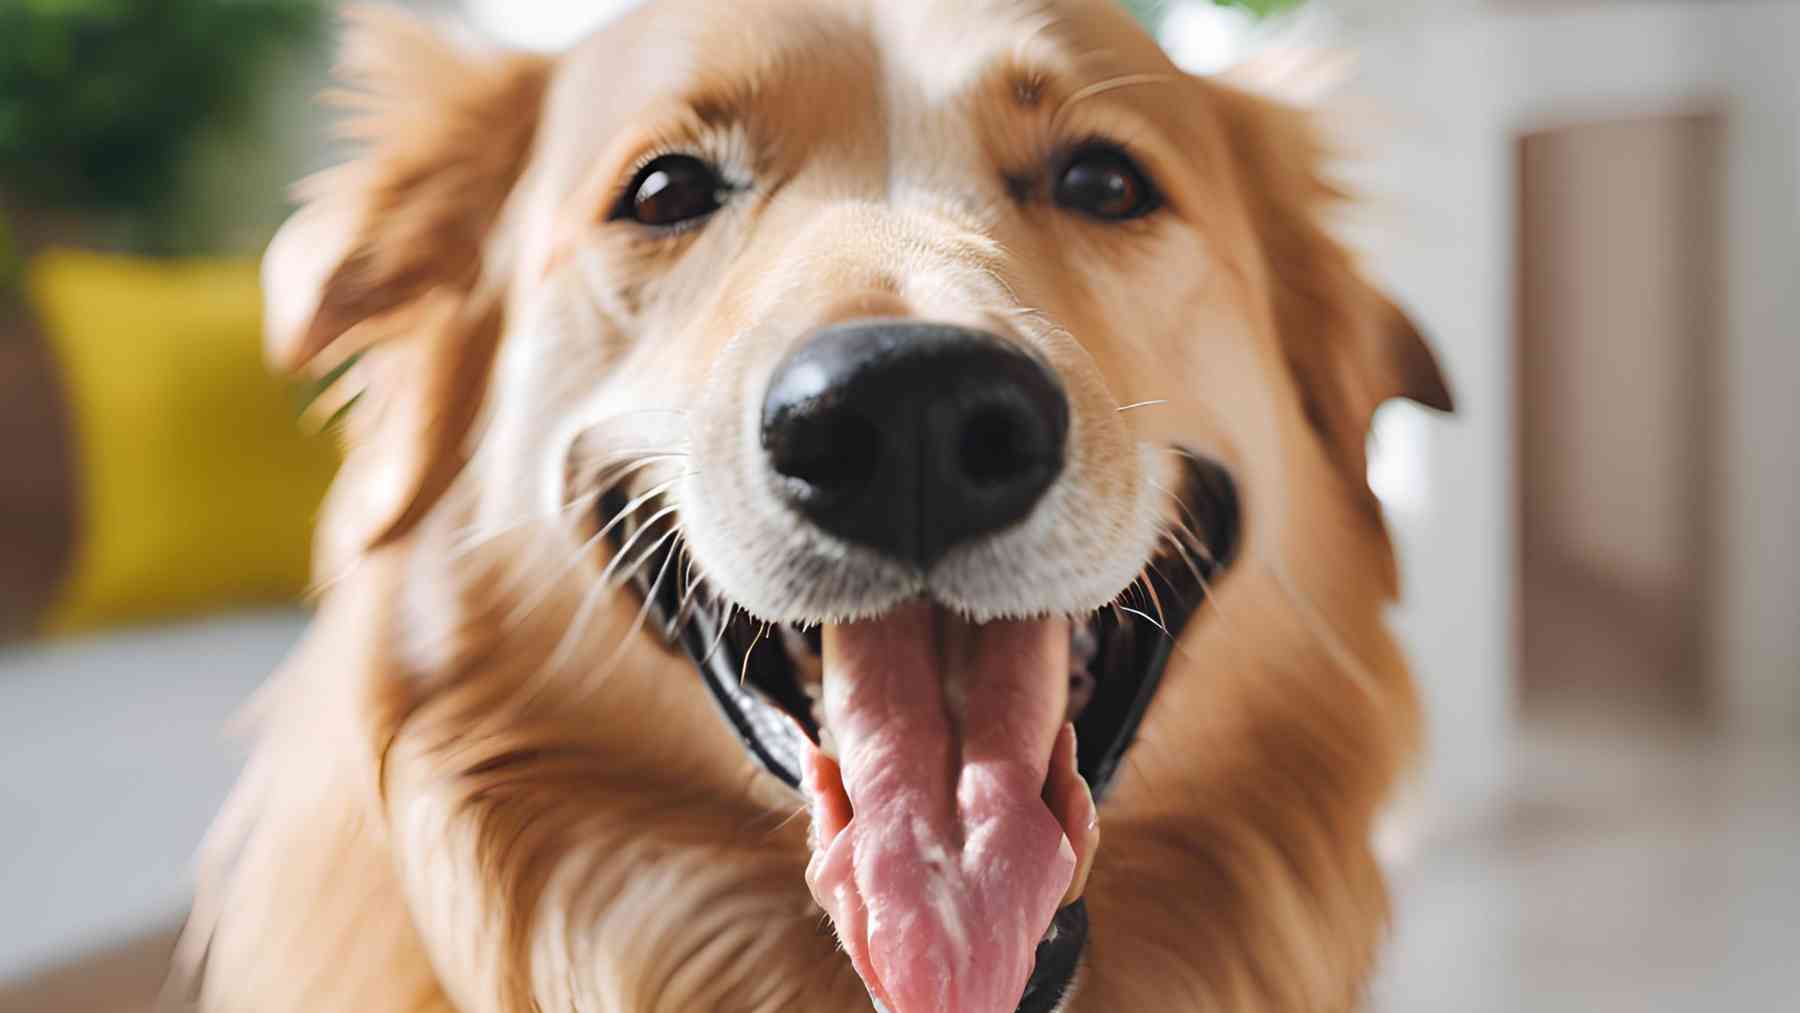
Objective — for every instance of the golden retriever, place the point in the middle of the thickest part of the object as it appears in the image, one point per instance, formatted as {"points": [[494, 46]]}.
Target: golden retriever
{"points": [[849, 504]]}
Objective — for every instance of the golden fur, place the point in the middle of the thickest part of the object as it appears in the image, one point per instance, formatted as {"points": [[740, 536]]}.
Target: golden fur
{"points": [[440, 817]]}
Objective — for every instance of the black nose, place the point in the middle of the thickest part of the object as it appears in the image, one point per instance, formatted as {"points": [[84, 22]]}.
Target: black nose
{"points": [[909, 437]]}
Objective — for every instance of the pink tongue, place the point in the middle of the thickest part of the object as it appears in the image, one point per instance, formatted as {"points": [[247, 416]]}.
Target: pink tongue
{"points": [[937, 859]]}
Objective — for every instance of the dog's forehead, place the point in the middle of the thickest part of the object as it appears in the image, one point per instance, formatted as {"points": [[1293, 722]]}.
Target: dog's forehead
{"points": [[918, 54], [939, 51]]}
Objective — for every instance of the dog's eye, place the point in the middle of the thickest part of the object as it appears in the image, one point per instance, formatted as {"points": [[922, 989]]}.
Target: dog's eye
{"points": [[1102, 182], [671, 190]]}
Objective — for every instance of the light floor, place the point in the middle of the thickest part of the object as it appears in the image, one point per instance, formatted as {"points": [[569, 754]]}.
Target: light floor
{"points": [[1635, 866]]}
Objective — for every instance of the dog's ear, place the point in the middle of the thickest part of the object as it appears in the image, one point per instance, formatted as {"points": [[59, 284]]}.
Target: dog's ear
{"points": [[383, 280], [1349, 347], [1409, 369], [1378, 357]]}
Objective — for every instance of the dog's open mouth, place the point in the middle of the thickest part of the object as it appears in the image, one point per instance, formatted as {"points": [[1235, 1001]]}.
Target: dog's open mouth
{"points": [[953, 809]]}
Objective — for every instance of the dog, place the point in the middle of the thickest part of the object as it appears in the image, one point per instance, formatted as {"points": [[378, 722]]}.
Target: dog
{"points": [[847, 505]]}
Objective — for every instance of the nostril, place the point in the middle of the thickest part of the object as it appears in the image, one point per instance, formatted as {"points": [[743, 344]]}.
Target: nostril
{"points": [[831, 453], [995, 447]]}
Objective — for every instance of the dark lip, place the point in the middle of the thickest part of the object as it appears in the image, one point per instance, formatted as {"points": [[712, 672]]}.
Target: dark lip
{"points": [[753, 683], [1058, 959]]}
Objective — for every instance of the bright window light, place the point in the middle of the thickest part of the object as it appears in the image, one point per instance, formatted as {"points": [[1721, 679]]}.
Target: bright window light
{"points": [[1399, 473], [1203, 38], [542, 24]]}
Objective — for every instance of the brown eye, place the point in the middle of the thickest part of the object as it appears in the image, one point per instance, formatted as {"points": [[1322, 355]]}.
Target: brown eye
{"points": [[672, 190], [1100, 181]]}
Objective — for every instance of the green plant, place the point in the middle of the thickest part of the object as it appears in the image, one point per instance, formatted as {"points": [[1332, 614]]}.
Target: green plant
{"points": [[102, 101]]}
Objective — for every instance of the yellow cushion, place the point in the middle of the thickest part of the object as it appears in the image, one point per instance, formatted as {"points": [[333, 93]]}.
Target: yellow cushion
{"points": [[197, 488]]}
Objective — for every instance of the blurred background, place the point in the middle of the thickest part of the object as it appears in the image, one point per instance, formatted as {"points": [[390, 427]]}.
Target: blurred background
{"points": [[1592, 207]]}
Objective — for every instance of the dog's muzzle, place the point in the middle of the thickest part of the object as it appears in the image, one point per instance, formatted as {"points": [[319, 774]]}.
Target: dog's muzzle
{"points": [[952, 765]]}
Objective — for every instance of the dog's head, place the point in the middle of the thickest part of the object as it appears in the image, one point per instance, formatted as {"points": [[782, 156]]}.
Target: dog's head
{"points": [[926, 371]]}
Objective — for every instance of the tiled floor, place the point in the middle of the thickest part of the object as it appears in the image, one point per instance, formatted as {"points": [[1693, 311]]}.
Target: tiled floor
{"points": [[1634, 867]]}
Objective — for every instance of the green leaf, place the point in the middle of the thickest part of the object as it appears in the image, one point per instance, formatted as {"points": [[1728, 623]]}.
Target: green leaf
{"points": [[1261, 8]]}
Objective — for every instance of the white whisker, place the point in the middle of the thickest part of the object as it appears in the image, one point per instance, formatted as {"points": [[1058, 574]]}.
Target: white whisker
{"points": [[643, 613], [1102, 87], [1155, 600], [1173, 534], [688, 601], [1122, 409], [571, 636], [531, 604], [1145, 616], [634, 462], [1187, 523], [475, 536], [1328, 638], [1187, 557], [744, 673], [601, 589], [790, 818], [612, 566], [725, 609]]}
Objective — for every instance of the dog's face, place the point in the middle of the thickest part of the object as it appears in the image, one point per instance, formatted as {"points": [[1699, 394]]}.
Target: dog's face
{"points": [[920, 369], [768, 203]]}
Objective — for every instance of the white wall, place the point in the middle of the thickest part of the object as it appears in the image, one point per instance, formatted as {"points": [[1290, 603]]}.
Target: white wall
{"points": [[1454, 89], [1433, 170]]}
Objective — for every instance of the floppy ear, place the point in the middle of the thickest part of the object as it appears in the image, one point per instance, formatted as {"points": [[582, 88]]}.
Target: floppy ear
{"points": [[1348, 346], [382, 281]]}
